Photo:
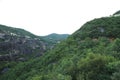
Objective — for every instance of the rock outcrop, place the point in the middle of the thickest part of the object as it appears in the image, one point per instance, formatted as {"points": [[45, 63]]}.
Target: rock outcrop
{"points": [[19, 46]]}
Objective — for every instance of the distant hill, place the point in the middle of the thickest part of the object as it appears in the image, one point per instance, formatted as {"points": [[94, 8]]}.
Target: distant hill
{"points": [[55, 38], [91, 53]]}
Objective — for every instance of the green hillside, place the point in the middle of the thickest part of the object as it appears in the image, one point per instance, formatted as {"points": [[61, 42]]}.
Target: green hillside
{"points": [[18, 45], [53, 39], [16, 31], [91, 53], [117, 13]]}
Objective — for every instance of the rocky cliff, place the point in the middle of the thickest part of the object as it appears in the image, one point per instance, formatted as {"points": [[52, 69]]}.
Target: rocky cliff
{"points": [[18, 44]]}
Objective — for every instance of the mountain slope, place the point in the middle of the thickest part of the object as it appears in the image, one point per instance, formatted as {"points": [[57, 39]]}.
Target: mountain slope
{"points": [[17, 44], [91, 53], [55, 37], [117, 13], [16, 31]]}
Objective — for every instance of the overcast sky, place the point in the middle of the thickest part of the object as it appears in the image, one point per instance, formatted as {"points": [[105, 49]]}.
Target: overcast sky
{"points": [[43, 17]]}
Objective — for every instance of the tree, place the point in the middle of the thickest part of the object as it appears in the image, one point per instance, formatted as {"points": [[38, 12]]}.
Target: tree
{"points": [[94, 67]]}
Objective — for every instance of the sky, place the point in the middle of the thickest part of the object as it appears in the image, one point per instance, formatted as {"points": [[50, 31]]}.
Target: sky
{"points": [[42, 17]]}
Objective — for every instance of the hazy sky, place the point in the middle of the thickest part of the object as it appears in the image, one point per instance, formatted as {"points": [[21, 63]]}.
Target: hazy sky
{"points": [[43, 17]]}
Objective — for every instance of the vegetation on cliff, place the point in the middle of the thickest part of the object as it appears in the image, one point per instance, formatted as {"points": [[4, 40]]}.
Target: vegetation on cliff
{"points": [[91, 53]]}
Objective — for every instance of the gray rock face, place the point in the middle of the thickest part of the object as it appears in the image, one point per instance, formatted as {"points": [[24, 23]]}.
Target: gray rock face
{"points": [[19, 44], [14, 47]]}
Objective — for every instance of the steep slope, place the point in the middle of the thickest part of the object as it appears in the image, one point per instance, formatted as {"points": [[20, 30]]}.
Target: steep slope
{"points": [[16, 31], [91, 53], [117, 13], [18, 44]]}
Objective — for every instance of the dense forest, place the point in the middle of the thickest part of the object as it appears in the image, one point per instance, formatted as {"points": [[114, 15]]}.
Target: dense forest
{"points": [[90, 53]]}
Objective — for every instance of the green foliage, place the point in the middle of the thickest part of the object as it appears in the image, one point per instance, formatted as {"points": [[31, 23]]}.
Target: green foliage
{"points": [[94, 67], [103, 27], [91, 53], [116, 45], [50, 76], [115, 67], [17, 31], [53, 39]]}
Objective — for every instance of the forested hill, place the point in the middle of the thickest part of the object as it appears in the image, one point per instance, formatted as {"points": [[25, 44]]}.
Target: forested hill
{"points": [[55, 38], [91, 53]]}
